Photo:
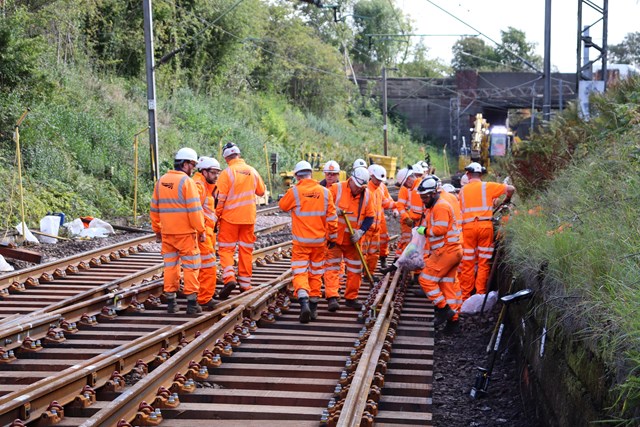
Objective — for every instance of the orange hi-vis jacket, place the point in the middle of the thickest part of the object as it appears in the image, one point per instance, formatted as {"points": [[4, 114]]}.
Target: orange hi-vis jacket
{"points": [[207, 199], [476, 201], [175, 206], [237, 186], [409, 203], [442, 229], [313, 213], [376, 202], [387, 200], [345, 201], [455, 204]]}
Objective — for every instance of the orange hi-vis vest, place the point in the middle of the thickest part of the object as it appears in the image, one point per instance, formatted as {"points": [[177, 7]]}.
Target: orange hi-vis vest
{"points": [[476, 201], [345, 201], [455, 203], [237, 186], [313, 213], [376, 202], [175, 206], [442, 229], [409, 203], [207, 200], [387, 200]]}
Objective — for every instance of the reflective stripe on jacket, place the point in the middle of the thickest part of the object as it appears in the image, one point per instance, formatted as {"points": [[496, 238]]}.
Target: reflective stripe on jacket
{"points": [[237, 187], [175, 206], [207, 200], [409, 203], [476, 200], [313, 213], [376, 202], [344, 200], [442, 229]]}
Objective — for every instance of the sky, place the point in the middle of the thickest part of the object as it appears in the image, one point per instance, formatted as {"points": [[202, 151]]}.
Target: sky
{"points": [[491, 16]]}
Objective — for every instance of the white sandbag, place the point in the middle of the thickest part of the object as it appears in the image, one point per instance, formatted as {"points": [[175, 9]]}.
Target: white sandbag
{"points": [[50, 224], [474, 303], [4, 265], [74, 227], [94, 232], [29, 236], [98, 223]]}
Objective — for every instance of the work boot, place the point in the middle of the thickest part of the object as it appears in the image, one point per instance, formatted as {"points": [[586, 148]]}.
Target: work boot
{"points": [[313, 305], [192, 305], [383, 262], [442, 315], [209, 305], [172, 306], [452, 327], [227, 289], [353, 303], [305, 311], [333, 304]]}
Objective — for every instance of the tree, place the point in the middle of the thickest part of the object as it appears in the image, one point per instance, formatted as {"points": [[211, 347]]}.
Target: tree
{"points": [[473, 53], [627, 52], [421, 66], [515, 42]]}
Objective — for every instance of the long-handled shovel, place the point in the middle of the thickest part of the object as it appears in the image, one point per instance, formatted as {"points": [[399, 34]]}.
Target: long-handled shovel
{"points": [[357, 245]]}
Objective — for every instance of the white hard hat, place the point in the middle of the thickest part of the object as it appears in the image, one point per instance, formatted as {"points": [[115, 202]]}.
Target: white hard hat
{"points": [[402, 175], [208, 163], [187, 153], [464, 180], [230, 149], [427, 185], [359, 163], [301, 166], [331, 166], [449, 188], [360, 176], [425, 165], [378, 172], [418, 169], [474, 167]]}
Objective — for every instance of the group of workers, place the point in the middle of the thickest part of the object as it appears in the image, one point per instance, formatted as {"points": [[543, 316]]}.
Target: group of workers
{"points": [[335, 227], [189, 214]]}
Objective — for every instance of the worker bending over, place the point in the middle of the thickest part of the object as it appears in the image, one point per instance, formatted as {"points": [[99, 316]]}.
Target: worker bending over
{"points": [[352, 199], [205, 179], [237, 186], [177, 219], [409, 204], [476, 201], [437, 279], [313, 219]]}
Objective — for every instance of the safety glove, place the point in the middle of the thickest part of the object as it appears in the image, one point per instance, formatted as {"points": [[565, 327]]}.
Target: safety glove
{"points": [[408, 222], [357, 235], [421, 230]]}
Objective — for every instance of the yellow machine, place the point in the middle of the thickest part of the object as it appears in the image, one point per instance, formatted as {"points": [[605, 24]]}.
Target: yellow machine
{"points": [[315, 160], [486, 143]]}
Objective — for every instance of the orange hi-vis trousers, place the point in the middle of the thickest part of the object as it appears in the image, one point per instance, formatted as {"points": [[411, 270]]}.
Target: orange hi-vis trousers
{"points": [[181, 249], [230, 235], [307, 265], [477, 249], [371, 249], [438, 278], [384, 237], [208, 270], [332, 271]]}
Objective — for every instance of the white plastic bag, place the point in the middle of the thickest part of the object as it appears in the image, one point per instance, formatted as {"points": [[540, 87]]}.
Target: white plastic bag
{"points": [[412, 257], [74, 227], [50, 224], [4, 265], [474, 303], [29, 236], [98, 223]]}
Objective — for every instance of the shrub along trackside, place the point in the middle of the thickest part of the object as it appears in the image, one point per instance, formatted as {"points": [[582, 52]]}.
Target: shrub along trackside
{"points": [[585, 177]]}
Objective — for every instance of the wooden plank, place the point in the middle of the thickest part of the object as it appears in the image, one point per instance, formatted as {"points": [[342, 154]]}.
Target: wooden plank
{"points": [[21, 254]]}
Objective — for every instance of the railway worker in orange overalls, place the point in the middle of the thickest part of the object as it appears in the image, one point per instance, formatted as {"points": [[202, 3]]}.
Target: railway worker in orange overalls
{"points": [[409, 204], [353, 198], [372, 239], [205, 179], [387, 203], [331, 171], [237, 186], [178, 221], [437, 279], [313, 219], [476, 201]]}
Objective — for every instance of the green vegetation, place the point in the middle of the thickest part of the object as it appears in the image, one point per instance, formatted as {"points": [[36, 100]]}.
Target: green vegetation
{"points": [[585, 176], [243, 71]]}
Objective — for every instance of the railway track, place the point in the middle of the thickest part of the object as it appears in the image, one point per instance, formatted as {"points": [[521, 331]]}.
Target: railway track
{"points": [[246, 363]]}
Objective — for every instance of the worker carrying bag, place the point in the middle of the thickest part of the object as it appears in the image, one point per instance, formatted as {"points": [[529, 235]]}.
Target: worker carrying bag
{"points": [[412, 257]]}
